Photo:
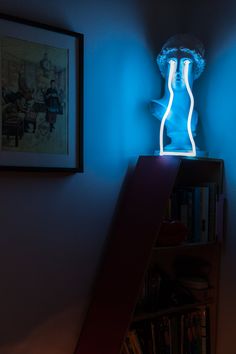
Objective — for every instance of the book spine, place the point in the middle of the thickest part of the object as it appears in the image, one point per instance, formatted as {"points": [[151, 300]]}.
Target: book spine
{"points": [[128, 345], [212, 211], [219, 217], [182, 322], [167, 335], [135, 342], [204, 213], [203, 331], [197, 214], [190, 214], [125, 349], [154, 344]]}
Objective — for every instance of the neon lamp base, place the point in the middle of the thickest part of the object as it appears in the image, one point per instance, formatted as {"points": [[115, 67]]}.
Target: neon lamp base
{"points": [[199, 153]]}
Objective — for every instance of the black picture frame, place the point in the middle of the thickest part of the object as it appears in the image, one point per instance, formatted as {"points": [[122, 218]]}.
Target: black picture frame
{"points": [[43, 135]]}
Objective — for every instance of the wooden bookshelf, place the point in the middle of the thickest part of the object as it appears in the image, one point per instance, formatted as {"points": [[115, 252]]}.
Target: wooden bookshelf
{"points": [[131, 251], [166, 259]]}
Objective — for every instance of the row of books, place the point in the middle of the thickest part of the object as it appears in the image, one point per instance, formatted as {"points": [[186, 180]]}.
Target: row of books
{"points": [[181, 333], [195, 207]]}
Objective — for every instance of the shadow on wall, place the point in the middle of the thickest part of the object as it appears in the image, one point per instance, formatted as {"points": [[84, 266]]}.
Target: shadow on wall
{"points": [[165, 18]]}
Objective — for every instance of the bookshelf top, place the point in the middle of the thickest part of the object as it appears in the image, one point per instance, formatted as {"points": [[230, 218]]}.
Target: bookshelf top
{"points": [[194, 171]]}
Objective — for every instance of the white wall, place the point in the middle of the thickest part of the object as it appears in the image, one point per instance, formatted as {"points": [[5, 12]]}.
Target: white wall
{"points": [[53, 226]]}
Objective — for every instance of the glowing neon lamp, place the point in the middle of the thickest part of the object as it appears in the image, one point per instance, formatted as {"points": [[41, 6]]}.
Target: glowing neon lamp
{"points": [[180, 64]]}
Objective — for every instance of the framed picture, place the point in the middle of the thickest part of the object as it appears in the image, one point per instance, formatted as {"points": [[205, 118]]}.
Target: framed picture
{"points": [[41, 111]]}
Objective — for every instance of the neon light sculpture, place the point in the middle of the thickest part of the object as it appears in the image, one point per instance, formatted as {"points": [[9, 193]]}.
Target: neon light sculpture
{"points": [[181, 62]]}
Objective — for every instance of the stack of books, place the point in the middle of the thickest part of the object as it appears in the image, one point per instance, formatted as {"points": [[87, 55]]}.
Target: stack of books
{"points": [[195, 207], [181, 333]]}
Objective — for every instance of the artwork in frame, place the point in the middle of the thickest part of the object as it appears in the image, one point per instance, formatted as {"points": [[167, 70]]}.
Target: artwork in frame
{"points": [[41, 111]]}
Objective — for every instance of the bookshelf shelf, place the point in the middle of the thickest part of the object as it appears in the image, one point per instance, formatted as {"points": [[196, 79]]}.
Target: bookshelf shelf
{"points": [[131, 254], [148, 316], [185, 246]]}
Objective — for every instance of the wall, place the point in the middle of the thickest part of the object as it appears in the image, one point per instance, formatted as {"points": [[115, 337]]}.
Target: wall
{"points": [[53, 227]]}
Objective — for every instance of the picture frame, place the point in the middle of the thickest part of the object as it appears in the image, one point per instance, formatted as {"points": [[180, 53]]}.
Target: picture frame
{"points": [[41, 111]]}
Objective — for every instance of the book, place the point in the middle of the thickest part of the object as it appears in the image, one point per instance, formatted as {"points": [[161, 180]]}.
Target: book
{"points": [[196, 208], [153, 286], [192, 333], [128, 345], [167, 335], [197, 215], [203, 330], [197, 283], [154, 339], [213, 196], [204, 213], [134, 341], [125, 348]]}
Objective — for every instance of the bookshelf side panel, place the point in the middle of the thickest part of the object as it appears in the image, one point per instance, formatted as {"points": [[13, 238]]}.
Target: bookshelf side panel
{"points": [[125, 261]]}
